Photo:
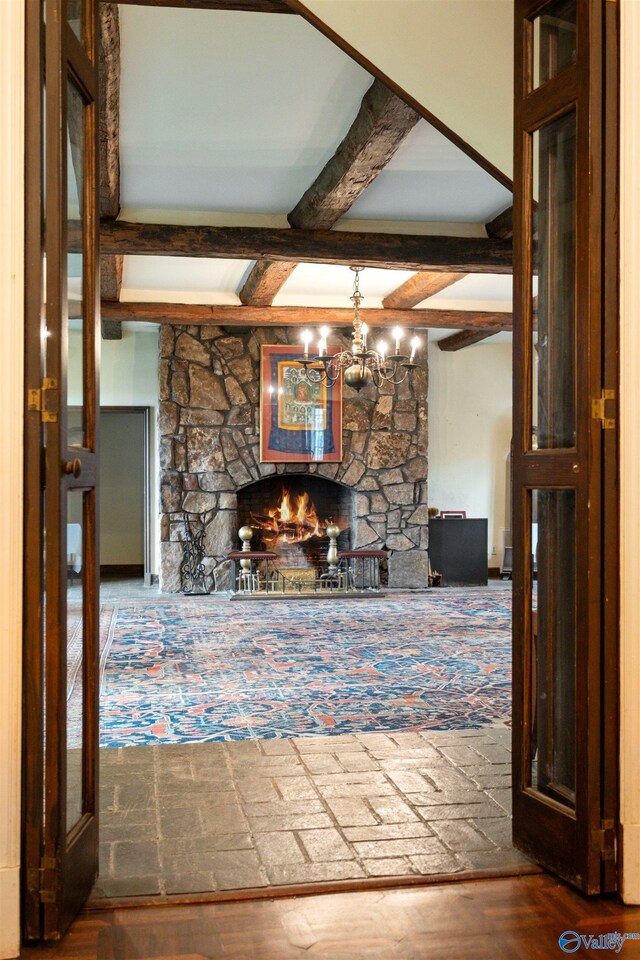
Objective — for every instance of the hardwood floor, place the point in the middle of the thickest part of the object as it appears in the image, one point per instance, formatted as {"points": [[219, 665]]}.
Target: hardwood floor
{"points": [[518, 918]]}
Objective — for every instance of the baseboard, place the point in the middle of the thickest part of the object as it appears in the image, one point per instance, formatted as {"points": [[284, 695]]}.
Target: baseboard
{"points": [[122, 570], [630, 873], [10, 912], [494, 573]]}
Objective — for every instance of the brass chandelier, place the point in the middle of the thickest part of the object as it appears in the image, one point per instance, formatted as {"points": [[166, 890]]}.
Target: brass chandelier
{"points": [[360, 365]]}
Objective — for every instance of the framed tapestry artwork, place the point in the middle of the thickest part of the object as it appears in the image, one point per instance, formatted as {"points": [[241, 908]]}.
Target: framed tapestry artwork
{"points": [[300, 420]]}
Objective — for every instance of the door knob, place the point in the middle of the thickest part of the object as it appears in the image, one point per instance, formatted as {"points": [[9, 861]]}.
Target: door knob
{"points": [[73, 467]]}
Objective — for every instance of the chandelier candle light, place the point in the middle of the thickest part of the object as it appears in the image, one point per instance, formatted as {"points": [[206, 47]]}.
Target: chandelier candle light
{"points": [[359, 365]]}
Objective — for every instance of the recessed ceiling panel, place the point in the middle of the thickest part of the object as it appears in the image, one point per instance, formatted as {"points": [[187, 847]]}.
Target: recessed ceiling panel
{"points": [[225, 110], [183, 279], [476, 286], [328, 285], [429, 178]]}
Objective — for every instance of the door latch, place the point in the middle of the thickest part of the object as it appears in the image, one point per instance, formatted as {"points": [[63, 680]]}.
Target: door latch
{"points": [[37, 400], [598, 409]]}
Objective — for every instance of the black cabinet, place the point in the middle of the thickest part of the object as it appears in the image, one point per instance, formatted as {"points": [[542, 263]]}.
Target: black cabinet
{"points": [[458, 550]]}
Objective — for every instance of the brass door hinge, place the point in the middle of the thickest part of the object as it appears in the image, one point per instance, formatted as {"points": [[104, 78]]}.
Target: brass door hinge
{"points": [[37, 400], [48, 879], [43, 880], [598, 410], [603, 841]]}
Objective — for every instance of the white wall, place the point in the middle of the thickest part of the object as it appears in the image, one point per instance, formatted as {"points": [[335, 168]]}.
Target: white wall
{"points": [[128, 377], [470, 434], [455, 57], [629, 412], [11, 404]]}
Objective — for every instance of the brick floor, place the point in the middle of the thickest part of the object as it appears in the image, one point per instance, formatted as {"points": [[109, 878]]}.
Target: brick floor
{"points": [[220, 816]]}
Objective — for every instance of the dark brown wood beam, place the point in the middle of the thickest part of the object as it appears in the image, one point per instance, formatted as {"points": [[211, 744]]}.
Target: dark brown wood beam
{"points": [[111, 277], [111, 329], [109, 98], [381, 124], [501, 227], [109, 111], [466, 338], [246, 6], [266, 279], [393, 251], [245, 316], [418, 288]]}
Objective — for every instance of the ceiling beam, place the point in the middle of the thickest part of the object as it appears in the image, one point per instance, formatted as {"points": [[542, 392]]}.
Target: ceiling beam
{"points": [[246, 6], [110, 277], [109, 104], [246, 316], [501, 227], [418, 288], [392, 251], [109, 97], [380, 126], [265, 280], [466, 338], [382, 123]]}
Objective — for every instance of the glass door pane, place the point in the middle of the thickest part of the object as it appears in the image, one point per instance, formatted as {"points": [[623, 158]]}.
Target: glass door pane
{"points": [[75, 657], [553, 691], [554, 40], [75, 252], [554, 265]]}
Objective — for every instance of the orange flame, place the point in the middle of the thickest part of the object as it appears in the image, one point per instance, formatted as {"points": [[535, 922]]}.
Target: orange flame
{"points": [[287, 523]]}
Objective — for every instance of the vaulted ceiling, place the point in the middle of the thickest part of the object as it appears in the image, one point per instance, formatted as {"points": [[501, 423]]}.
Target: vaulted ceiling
{"points": [[226, 118]]}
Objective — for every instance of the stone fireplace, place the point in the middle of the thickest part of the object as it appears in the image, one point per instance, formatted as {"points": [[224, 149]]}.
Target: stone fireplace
{"points": [[210, 460]]}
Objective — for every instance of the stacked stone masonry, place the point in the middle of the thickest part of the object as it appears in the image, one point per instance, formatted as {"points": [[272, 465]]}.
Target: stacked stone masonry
{"points": [[210, 448]]}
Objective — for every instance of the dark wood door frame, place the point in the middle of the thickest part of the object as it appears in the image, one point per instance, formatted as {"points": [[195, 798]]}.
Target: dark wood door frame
{"points": [[579, 845], [59, 859]]}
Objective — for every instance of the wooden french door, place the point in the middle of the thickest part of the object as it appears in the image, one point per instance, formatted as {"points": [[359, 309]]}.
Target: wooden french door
{"points": [[61, 574], [564, 456]]}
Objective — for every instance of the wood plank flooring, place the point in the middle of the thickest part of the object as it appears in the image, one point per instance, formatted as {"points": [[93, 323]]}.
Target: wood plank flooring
{"points": [[517, 918]]}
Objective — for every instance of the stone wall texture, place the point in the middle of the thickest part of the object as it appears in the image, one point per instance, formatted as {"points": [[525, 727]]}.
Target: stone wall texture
{"points": [[209, 448]]}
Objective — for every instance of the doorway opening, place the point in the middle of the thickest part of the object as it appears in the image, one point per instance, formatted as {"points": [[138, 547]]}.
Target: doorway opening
{"points": [[329, 738]]}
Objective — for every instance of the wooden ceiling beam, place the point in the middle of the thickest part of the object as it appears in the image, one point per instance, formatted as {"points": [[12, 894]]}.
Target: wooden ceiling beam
{"points": [[381, 124], [109, 99], [501, 227], [418, 288], [466, 338], [109, 112], [245, 6], [265, 280], [247, 316], [388, 250]]}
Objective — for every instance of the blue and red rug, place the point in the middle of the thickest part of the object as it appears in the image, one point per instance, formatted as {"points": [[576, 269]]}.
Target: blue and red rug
{"points": [[194, 670]]}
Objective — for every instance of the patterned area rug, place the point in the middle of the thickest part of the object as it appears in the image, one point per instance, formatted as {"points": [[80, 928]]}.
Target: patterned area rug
{"points": [[199, 670]]}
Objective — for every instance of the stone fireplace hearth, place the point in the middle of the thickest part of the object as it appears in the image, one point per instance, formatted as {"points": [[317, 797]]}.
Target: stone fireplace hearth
{"points": [[210, 461]]}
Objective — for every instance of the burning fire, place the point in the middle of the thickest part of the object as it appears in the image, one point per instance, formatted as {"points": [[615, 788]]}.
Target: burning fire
{"points": [[290, 523]]}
